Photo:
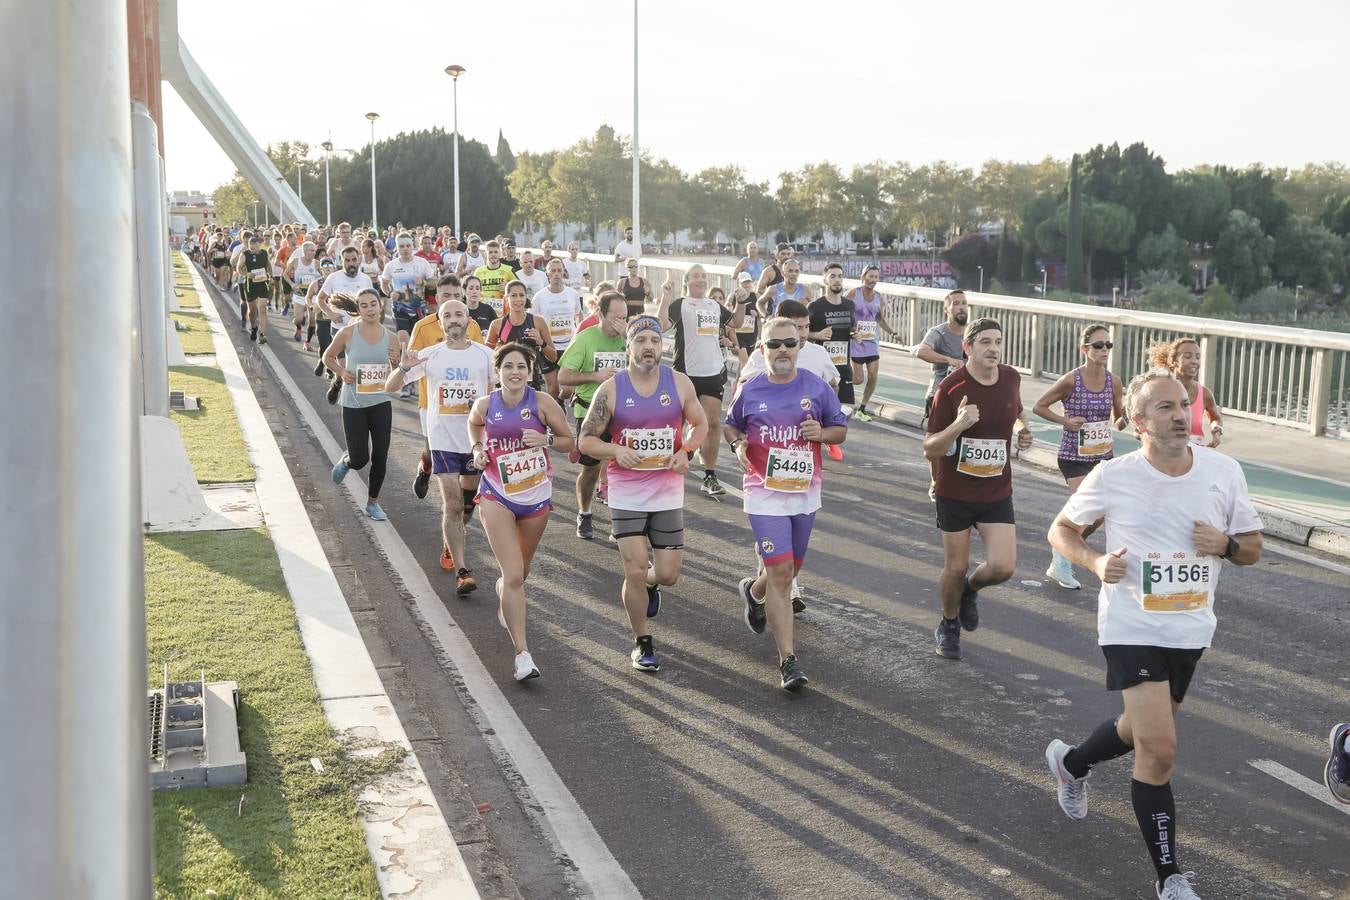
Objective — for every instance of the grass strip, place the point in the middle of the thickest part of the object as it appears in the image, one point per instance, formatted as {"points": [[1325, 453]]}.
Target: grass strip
{"points": [[211, 434], [217, 601], [195, 335]]}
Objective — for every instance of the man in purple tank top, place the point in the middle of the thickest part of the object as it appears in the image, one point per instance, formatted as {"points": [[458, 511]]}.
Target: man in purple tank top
{"points": [[636, 422]]}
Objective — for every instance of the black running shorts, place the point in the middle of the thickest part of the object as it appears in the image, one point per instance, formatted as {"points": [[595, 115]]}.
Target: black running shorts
{"points": [[1130, 664], [958, 515]]}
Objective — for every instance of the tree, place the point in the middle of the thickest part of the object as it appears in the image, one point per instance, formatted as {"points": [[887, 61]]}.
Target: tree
{"points": [[1308, 254], [1253, 191], [790, 214], [713, 203], [1034, 213], [816, 192], [1307, 190], [234, 199], [1073, 229], [1200, 205], [759, 205], [1009, 257], [1217, 300], [1107, 228], [1165, 252], [592, 180], [1243, 253], [1133, 178], [968, 254], [665, 199], [533, 191], [505, 158], [1003, 189], [1337, 215], [867, 193]]}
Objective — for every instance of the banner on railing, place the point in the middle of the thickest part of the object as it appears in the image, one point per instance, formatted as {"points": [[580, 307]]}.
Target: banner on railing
{"points": [[916, 272]]}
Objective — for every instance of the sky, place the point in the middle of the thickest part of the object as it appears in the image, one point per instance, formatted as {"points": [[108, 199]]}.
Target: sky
{"points": [[774, 84]]}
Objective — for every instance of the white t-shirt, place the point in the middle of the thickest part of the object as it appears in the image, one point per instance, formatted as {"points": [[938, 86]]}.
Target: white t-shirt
{"points": [[337, 283], [535, 282], [625, 249], [576, 272], [560, 310], [812, 358], [402, 275], [471, 263], [1152, 515], [455, 378]]}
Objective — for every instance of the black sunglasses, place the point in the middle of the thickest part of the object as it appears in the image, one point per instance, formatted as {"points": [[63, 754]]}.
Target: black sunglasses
{"points": [[775, 343], [1101, 345]]}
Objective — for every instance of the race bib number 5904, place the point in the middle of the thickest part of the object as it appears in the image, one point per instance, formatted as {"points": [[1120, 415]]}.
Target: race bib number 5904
{"points": [[982, 457]]}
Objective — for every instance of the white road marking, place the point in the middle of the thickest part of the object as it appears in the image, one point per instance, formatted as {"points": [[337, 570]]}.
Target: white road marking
{"points": [[571, 830], [1299, 783]]}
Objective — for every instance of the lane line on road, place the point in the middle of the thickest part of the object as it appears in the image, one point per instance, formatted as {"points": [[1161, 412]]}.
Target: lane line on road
{"points": [[568, 828], [1298, 782]]}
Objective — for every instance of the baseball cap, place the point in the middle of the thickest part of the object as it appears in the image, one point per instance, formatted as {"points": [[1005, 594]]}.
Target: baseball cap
{"points": [[472, 237], [745, 276]]}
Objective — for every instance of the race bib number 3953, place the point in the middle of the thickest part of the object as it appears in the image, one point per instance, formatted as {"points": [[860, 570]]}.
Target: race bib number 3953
{"points": [[655, 446], [982, 457], [1176, 581]]}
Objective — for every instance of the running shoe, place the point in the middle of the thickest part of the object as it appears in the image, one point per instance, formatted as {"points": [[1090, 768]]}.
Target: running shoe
{"points": [[653, 600], [525, 667], [754, 609], [297, 334], [711, 486], [862, 415], [836, 452], [1072, 791], [948, 637], [421, 483], [644, 655], [1177, 887], [253, 335], [794, 679], [969, 613], [1061, 573], [464, 582], [447, 559], [373, 510], [340, 470], [1337, 774], [798, 604], [602, 493], [334, 389], [318, 367], [585, 530], [262, 338], [308, 348]]}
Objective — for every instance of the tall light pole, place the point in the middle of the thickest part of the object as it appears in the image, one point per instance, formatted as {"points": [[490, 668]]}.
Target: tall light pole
{"points": [[981, 268], [454, 71], [281, 200], [255, 213], [374, 215], [327, 192], [637, 224]]}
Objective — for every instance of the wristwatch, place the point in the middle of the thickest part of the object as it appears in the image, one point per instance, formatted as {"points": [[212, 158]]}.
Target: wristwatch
{"points": [[1233, 548]]}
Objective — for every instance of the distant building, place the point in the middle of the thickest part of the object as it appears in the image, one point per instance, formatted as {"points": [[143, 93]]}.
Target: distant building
{"points": [[190, 210]]}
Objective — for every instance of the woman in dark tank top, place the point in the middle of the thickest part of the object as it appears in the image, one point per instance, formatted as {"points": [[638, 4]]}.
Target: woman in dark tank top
{"points": [[635, 294]]}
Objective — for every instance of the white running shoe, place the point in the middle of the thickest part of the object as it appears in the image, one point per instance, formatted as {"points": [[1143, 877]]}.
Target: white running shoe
{"points": [[501, 618], [1177, 887], [1061, 572], [796, 590], [1072, 791], [525, 667]]}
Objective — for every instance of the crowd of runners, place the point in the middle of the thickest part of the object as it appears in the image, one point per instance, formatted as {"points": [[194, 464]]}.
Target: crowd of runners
{"points": [[515, 357]]}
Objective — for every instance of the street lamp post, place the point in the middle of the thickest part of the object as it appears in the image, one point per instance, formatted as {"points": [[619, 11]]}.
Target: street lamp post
{"points": [[454, 71], [281, 200], [981, 268], [327, 192], [1045, 282], [637, 168], [374, 215], [255, 213]]}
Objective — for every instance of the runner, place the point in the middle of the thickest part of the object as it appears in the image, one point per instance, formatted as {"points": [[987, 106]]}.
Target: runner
{"points": [[775, 426], [510, 259], [302, 270], [786, 288], [511, 431], [773, 273], [637, 291], [750, 263], [1173, 510], [519, 325], [832, 327], [341, 241], [976, 411], [255, 274], [472, 257], [535, 279], [480, 311], [1181, 357], [404, 279], [590, 361], [545, 256], [493, 274], [455, 372], [350, 281], [219, 256], [1093, 401], [636, 420], [747, 333], [942, 348], [1336, 776], [701, 327], [626, 248], [865, 349], [578, 272], [561, 308], [367, 411]]}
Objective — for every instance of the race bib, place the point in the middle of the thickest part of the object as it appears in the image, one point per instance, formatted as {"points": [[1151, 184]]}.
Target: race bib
{"points": [[708, 321], [370, 377], [867, 331], [494, 302], [1094, 439], [561, 327], [838, 351], [747, 327], [1176, 581], [257, 274], [982, 457], [522, 469], [789, 471], [654, 445], [453, 398], [609, 360]]}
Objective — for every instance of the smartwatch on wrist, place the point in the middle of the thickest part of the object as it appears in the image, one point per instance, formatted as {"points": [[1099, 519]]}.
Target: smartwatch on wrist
{"points": [[1233, 548]]}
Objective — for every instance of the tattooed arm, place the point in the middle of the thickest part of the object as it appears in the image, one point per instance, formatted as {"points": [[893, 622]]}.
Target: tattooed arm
{"points": [[595, 426]]}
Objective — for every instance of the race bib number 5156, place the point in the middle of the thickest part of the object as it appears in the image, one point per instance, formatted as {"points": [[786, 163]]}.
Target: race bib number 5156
{"points": [[1176, 581]]}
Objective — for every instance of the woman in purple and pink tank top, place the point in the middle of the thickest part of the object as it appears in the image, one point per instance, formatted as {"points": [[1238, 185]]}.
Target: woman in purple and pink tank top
{"points": [[513, 429], [1093, 405]]}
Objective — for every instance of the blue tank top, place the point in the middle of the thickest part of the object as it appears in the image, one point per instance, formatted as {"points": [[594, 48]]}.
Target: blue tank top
{"points": [[370, 362], [779, 295], [754, 267]]}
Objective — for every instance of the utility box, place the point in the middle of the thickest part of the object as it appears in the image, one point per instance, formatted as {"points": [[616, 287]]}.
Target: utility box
{"points": [[194, 734]]}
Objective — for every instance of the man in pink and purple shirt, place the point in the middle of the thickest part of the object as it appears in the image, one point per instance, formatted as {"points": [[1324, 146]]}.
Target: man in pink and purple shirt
{"points": [[776, 425]]}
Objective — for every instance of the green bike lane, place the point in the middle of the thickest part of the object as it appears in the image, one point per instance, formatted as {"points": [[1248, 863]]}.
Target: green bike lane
{"points": [[1318, 497]]}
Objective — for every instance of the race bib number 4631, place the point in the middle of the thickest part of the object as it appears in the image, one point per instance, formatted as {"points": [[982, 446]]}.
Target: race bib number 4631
{"points": [[522, 469], [1176, 581], [838, 351], [370, 378], [789, 471], [982, 457]]}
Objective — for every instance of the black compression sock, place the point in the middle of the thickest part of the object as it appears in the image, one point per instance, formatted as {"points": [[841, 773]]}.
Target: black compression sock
{"points": [[309, 334], [707, 473], [1104, 743], [1157, 814]]}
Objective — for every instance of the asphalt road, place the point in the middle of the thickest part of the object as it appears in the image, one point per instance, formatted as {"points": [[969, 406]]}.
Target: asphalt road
{"points": [[896, 772]]}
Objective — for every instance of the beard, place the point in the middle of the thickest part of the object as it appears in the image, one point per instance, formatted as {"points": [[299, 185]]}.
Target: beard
{"points": [[961, 318]]}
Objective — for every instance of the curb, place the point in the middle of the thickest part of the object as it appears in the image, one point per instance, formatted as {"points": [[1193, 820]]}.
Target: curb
{"points": [[1295, 528], [411, 846]]}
